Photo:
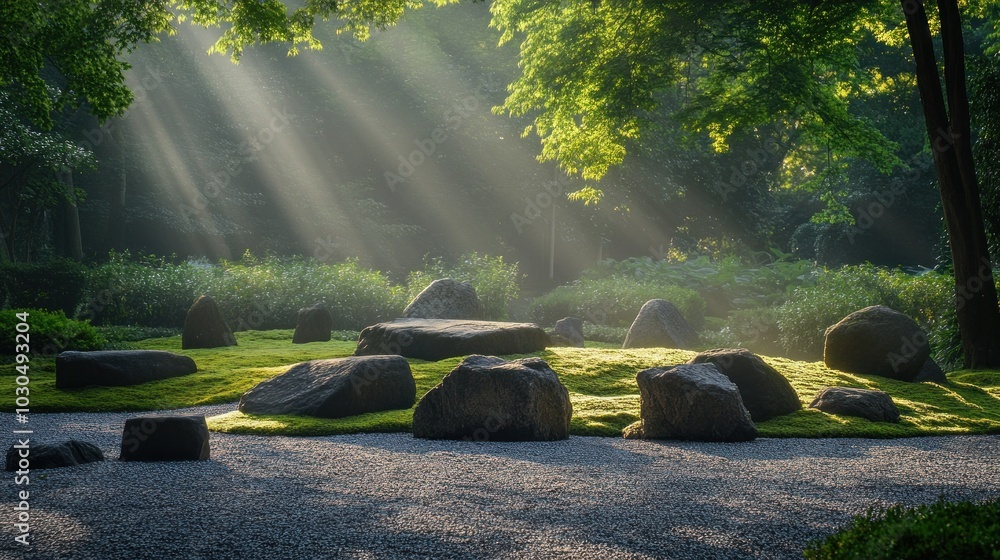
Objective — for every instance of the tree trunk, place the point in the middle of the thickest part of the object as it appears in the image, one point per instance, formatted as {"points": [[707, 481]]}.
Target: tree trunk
{"points": [[73, 240], [976, 295]]}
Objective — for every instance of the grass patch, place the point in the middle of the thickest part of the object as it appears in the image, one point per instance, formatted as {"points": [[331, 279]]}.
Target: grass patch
{"points": [[600, 379]]}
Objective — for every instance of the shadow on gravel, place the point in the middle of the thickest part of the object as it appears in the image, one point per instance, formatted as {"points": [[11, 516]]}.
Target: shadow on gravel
{"points": [[577, 451]]}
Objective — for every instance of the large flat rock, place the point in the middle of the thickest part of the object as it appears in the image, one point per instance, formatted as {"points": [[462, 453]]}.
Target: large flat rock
{"points": [[335, 388], [118, 367], [437, 339]]}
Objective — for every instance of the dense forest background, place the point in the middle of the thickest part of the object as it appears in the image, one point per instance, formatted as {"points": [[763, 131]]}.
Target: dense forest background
{"points": [[388, 151]]}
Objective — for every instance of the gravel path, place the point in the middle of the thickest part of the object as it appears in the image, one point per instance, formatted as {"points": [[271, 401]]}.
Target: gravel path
{"points": [[391, 496]]}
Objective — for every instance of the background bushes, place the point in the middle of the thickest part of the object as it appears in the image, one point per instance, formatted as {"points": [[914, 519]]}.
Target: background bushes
{"points": [[928, 298], [252, 293], [770, 304], [55, 285], [613, 301], [267, 294], [144, 291]]}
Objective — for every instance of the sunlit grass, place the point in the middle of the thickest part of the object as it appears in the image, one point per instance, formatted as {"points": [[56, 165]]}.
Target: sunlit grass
{"points": [[600, 379]]}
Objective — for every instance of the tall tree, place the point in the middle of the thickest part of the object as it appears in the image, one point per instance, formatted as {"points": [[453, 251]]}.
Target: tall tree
{"points": [[948, 126]]}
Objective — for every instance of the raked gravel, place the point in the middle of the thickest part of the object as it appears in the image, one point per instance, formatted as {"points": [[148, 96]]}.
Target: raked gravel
{"points": [[391, 496]]}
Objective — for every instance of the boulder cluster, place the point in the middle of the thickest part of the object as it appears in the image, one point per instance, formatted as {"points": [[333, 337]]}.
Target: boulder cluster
{"points": [[719, 395]]}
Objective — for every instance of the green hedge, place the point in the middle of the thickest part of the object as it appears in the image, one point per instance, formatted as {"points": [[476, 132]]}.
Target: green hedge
{"points": [[252, 293], [55, 285], [49, 333], [943, 530], [144, 291], [613, 301], [267, 294]]}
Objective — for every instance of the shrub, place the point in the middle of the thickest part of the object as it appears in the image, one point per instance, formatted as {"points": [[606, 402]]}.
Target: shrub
{"points": [[150, 291], [267, 294], [50, 332], [497, 283], [943, 530], [55, 285], [252, 293], [927, 298], [722, 283], [613, 301], [754, 329], [603, 333]]}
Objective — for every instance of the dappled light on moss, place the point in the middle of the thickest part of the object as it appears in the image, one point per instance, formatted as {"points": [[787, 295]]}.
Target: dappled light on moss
{"points": [[601, 382]]}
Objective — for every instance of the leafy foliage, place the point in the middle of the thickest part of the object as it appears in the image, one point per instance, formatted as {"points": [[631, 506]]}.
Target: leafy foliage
{"points": [[613, 301], [49, 332], [592, 72], [267, 293], [497, 283], [83, 40], [252, 293], [944, 530], [928, 298], [55, 285], [740, 282]]}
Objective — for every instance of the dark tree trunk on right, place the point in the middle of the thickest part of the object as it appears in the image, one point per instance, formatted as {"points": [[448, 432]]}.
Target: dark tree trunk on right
{"points": [[949, 130]]}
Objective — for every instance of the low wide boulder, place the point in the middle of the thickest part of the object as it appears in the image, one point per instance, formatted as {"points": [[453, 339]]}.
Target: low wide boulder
{"points": [[204, 326], [445, 299], [437, 339], [67, 453], [488, 398], [876, 406], [660, 324], [314, 324], [112, 368], [877, 340], [571, 329], [690, 402], [765, 392], [165, 438], [335, 388]]}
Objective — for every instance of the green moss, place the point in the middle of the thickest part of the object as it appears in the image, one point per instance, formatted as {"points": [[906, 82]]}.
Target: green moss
{"points": [[601, 382]]}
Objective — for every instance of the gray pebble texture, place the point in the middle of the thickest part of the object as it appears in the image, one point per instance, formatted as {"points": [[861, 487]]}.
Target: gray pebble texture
{"points": [[392, 496]]}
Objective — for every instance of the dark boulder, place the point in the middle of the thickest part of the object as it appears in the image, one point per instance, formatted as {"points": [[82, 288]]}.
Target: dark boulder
{"points": [[314, 324], [436, 339], [690, 402], [67, 453], [876, 406], [571, 329], [335, 388], [877, 340], [488, 398], [445, 299], [118, 367], [660, 324], [165, 438], [931, 372], [765, 392], [204, 326]]}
